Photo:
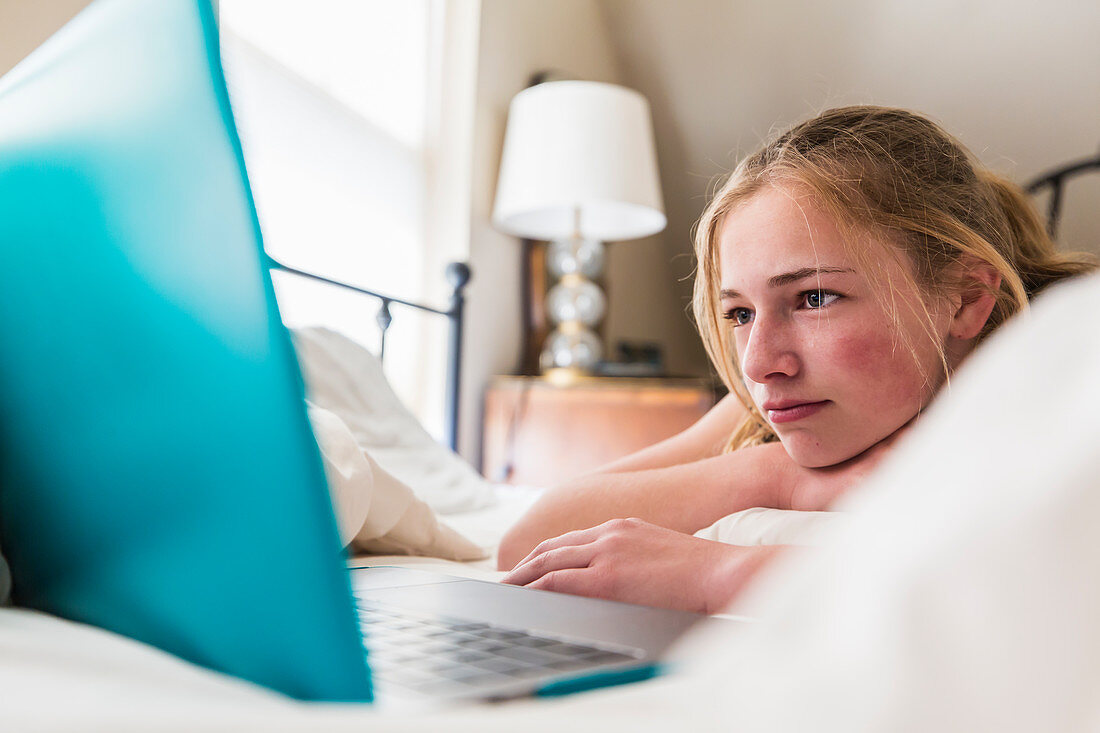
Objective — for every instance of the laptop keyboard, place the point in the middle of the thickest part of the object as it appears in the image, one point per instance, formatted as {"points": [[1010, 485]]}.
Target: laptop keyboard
{"points": [[436, 655]]}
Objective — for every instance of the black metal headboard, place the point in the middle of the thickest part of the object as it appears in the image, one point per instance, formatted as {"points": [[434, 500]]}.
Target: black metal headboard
{"points": [[458, 274], [1056, 180]]}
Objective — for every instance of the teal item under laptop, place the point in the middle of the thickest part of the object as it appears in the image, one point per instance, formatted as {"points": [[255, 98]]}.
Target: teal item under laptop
{"points": [[158, 475], [148, 392]]}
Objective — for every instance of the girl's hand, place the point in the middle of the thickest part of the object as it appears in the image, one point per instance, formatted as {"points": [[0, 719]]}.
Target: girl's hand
{"points": [[637, 562]]}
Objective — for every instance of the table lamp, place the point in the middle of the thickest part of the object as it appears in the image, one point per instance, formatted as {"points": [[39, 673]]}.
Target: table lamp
{"points": [[579, 168]]}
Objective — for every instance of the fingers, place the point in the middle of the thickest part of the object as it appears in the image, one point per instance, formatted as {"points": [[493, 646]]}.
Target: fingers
{"points": [[577, 581], [579, 537], [551, 561]]}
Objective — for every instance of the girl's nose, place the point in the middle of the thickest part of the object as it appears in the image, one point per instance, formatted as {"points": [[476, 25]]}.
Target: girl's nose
{"points": [[769, 353]]}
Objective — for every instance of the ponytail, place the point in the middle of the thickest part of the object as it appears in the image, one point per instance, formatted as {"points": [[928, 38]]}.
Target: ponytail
{"points": [[1031, 251]]}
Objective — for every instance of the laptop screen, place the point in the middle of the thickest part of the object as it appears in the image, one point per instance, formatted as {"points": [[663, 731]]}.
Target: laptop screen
{"points": [[158, 475]]}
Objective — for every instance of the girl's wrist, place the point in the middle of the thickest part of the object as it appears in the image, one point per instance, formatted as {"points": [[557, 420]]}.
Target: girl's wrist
{"points": [[737, 565]]}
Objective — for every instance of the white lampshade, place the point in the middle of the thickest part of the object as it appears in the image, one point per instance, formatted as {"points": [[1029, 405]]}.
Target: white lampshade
{"points": [[579, 146]]}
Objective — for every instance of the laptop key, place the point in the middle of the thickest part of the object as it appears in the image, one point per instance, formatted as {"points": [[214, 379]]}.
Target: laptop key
{"points": [[536, 642], [486, 645], [468, 641], [568, 650], [532, 670], [531, 656], [496, 664], [605, 657], [567, 664], [478, 677], [446, 635], [502, 635], [422, 630]]}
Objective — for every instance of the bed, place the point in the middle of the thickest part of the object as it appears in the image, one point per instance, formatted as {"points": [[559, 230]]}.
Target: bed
{"points": [[976, 609]]}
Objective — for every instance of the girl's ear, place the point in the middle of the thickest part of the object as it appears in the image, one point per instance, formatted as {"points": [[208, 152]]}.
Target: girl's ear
{"points": [[979, 282]]}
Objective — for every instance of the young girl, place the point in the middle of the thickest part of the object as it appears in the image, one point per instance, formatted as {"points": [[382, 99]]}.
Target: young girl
{"points": [[844, 272]]}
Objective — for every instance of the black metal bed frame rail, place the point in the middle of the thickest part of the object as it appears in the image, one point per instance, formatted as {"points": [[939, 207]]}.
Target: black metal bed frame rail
{"points": [[1056, 179], [458, 275]]}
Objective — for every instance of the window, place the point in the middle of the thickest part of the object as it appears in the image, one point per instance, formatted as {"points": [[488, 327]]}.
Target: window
{"points": [[334, 101]]}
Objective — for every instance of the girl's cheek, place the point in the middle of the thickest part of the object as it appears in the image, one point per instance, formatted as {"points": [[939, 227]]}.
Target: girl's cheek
{"points": [[881, 368]]}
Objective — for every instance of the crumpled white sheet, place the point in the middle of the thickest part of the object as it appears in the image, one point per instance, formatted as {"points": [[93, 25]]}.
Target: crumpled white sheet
{"points": [[962, 596], [347, 380], [375, 512]]}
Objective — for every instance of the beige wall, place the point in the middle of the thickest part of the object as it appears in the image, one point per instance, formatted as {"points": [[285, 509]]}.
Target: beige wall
{"points": [[517, 39], [25, 24], [1018, 82], [569, 37]]}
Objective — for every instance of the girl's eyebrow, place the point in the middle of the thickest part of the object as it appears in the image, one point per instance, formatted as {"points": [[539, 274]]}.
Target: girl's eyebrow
{"points": [[778, 281]]}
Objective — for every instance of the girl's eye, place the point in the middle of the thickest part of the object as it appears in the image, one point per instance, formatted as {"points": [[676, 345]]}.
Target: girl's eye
{"points": [[814, 299], [739, 316]]}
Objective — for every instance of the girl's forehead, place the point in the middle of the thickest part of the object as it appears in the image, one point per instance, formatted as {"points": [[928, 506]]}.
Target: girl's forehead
{"points": [[777, 227]]}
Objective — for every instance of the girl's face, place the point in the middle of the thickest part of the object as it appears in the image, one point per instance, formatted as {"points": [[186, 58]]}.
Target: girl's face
{"points": [[829, 368]]}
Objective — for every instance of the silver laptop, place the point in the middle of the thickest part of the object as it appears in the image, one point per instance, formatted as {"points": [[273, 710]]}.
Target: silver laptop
{"points": [[439, 635]]}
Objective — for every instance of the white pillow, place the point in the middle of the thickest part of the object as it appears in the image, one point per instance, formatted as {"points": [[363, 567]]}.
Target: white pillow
{"points": [[347, 380], [375, 512], [766, 526]]}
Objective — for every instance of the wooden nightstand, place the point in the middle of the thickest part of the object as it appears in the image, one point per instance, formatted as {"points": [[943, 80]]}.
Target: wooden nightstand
{"points": [[538, 433]]}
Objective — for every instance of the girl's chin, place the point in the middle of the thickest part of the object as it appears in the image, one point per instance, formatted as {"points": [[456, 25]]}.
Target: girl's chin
{"points": [[821, 449], [809, 452]]}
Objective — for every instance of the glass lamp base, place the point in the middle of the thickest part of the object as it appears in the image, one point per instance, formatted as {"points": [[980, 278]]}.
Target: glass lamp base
{"points": [[571, 346]]}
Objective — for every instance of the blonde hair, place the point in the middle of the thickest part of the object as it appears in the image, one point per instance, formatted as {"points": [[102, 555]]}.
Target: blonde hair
{"points": [[885, 176]]}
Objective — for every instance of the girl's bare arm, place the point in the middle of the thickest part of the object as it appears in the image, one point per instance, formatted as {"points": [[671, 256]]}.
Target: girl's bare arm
{"points": [[686, 496], [684, 483], [705, 439]]}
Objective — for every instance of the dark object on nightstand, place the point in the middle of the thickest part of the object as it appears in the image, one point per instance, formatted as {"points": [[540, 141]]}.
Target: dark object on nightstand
{"points": [[634, 359]]}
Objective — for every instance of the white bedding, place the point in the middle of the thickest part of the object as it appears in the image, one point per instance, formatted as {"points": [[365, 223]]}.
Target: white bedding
{"points": [[484, 527], [347, 380]]}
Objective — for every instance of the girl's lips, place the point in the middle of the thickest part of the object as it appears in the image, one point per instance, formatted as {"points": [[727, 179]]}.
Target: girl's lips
{"points": [[796, 412]]}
